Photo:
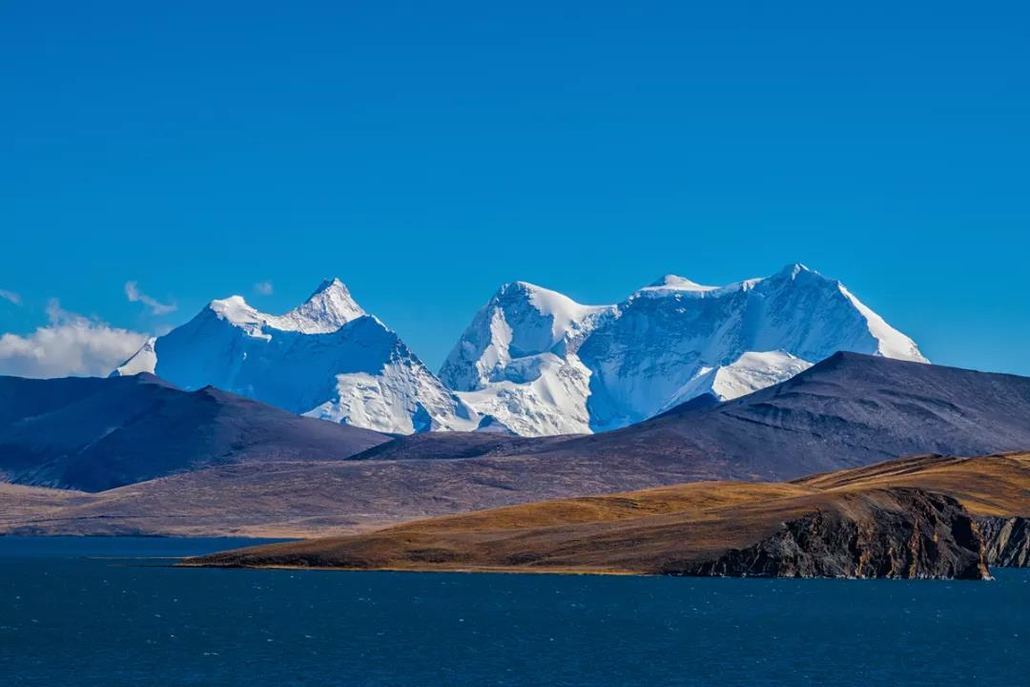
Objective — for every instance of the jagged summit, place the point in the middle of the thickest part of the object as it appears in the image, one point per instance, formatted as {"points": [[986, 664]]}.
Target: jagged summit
{"points": [[527, 294], [793, 270], [519, 285], [329, 283], [327, 358], [328, 308], [546, 301]]}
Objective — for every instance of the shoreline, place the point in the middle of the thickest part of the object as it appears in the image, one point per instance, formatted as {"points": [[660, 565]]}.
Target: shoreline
{"points": [[567, 572]]}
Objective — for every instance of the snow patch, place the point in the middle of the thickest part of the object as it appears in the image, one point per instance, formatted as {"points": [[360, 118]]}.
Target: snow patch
{"points": [[751, 371], [143, 360], [545, 394], [890, 342]]}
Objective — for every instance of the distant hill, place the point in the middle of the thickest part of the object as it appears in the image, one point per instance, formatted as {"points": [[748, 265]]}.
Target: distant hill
{"points": [[849, 410], [95, 434], [454, 445]]}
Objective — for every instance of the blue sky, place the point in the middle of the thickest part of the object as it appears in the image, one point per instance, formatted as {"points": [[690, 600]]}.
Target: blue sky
{"points": [[427, 153]]}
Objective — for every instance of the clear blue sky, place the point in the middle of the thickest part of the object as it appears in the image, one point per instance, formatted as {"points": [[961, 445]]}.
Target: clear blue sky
{"points": [[427, 152]]}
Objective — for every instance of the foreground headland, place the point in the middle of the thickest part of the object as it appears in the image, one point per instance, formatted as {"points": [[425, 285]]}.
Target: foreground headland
{"points": [[924, 517]]}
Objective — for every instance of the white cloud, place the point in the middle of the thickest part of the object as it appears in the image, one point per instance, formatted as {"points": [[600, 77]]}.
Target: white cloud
{"points": [[265, 288], [69, 345], [133, 293], [10, 296]]}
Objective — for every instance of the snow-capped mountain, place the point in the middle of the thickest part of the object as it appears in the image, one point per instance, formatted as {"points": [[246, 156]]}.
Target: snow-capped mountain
{"points": [[533, 361], [539, 363], [516, 363], [327, 358]]}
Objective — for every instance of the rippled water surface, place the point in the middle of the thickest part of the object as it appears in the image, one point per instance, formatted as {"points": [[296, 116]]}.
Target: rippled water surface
{"points": [[113, 612]]}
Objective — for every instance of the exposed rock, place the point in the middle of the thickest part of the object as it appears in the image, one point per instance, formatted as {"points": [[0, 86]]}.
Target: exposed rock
{"points": [[1006, 540], [929, 536]]}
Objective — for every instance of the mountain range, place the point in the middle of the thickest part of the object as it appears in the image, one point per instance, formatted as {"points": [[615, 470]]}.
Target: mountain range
{"points": [[274, 473], [731, 392], [539, 363], [532, 362]]}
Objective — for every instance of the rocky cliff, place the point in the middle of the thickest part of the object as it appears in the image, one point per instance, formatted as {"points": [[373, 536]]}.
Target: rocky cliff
{"points": [[1006, 540], [916, 535]]}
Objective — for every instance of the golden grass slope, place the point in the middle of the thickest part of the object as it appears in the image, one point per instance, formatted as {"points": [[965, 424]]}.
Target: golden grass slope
{"points": [[652, 530], [988, 485]]}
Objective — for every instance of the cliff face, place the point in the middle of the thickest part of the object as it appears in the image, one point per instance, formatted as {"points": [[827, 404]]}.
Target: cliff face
{"points": [[1006, 540], [918, 535]]}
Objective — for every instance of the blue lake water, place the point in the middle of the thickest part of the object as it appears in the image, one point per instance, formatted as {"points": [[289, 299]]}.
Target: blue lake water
{"points": [[99, 611]]}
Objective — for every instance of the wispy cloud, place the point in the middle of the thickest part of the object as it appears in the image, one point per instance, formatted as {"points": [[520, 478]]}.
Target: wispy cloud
{"points": [[69, 345], [156, 307], [10, 296], [265, 288]]}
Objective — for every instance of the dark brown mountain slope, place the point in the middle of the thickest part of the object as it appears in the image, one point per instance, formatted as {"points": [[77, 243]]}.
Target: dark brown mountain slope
{"points": [[847, 411], [95, 434]]}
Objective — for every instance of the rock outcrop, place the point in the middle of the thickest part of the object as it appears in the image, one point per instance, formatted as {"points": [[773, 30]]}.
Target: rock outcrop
{"points": [[917, 535], [1006, 540]]}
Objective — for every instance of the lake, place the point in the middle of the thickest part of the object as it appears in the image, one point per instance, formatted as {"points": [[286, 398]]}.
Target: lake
{"points": [[112, 611]]}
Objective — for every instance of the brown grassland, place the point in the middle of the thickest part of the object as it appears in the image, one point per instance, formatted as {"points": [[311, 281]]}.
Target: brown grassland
{"points": [[648, 531]]}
